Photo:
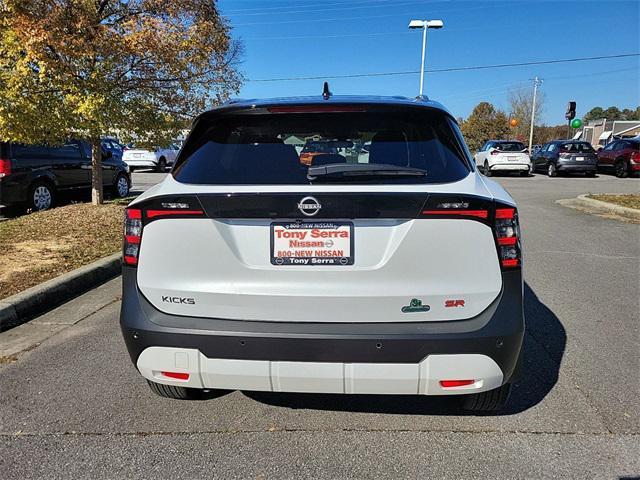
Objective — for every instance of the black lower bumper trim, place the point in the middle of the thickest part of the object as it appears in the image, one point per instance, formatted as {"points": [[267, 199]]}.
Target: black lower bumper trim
{"points": [[497, 333]]}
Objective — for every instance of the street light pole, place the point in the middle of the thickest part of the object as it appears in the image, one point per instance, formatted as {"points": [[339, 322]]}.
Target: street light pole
{"points": [[424, 48], [424, 25], [536, 82]]}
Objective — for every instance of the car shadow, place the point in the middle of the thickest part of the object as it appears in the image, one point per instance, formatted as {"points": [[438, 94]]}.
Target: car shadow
{"points": [[544, 345]]}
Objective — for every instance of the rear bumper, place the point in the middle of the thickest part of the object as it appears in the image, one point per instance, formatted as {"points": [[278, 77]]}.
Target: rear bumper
{"points": [[576, 167], [328, 357], [142, 163], [510, 166]]}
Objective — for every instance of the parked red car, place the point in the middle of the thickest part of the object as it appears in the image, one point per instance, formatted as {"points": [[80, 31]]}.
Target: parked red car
{"points": [[621, 157]]}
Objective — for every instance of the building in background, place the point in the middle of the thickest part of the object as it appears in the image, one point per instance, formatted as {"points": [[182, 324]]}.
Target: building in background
{"points": [[600, 132]]}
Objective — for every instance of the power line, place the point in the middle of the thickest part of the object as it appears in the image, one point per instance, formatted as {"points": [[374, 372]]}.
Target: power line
{"points": [[442, 70], [311, 4], [343, 19], [312, 10]]}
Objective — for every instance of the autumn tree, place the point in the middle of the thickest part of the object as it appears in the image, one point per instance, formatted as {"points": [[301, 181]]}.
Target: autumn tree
{"points": [[484, 123], [520, 105], [135, 68]]}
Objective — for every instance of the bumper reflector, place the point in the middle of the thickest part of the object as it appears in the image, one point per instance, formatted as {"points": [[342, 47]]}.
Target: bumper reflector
{"points": [[455, 383], [176, 375]]}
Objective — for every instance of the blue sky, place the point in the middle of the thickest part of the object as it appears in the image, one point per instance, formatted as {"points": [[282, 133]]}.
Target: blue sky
{"points": [[333, 37]]}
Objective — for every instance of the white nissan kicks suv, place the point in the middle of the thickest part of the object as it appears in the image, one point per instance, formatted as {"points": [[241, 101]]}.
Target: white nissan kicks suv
{"points": [[390, 269]]}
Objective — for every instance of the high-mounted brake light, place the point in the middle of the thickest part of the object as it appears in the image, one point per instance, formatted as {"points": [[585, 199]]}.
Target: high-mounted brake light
{"points": [[5, 167], [317, 109]]}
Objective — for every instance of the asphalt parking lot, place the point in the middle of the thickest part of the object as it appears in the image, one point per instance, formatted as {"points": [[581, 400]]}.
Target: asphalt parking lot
{"points": [[75, 406]]}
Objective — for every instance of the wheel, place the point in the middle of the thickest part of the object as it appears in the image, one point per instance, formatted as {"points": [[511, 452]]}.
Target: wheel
{"points": [[524, 173], [486, 170], [591, 174], [170, 391], [551, 170], [490, 401], [122, 186], [41, 196], [162, 164], [621, 169]]}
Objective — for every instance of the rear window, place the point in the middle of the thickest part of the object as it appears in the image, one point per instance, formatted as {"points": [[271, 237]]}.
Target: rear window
{"points": [[279, 148], [577, 148], [510, 146]]}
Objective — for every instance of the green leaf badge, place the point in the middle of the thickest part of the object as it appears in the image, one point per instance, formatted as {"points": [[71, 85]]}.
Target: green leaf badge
{"points": [[415, 306]]}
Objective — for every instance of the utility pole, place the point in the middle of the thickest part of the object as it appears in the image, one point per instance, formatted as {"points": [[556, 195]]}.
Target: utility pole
{"points": [[536, 83]]}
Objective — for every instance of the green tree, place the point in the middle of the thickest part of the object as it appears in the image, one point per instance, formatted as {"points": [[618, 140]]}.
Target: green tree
{"points": [[612, 113], [484, 123], [84, 68], [594, 114]]}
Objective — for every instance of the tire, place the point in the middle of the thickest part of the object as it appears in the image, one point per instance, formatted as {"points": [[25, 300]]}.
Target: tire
{"points": [[621, 169], [525, 173], [590, 174], [121, 187], [490, 401], [41, 196], [486, 170], [170, 391], [551, 170], [162, 165]]}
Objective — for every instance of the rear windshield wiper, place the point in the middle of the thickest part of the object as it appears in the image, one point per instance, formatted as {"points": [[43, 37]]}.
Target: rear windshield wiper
{"points": [[363, 169]]}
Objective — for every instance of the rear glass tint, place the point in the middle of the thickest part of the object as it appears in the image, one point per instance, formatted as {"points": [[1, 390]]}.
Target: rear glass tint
{"points": [[510, 146], [577, 148], [279, 148]]}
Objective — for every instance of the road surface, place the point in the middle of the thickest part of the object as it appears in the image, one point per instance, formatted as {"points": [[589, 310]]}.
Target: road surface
{"points": [[74, 406]]}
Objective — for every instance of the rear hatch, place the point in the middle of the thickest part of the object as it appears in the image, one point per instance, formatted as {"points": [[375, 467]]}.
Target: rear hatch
{"points": [[510, 152], [132, 154], [577, 153], [398, 232]]}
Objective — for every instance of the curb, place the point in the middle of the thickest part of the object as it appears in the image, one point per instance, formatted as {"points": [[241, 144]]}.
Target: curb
{"points": [[606, 207], [24, 306]]}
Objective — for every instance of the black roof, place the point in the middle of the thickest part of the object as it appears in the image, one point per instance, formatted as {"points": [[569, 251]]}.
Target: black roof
{"points": [[239, 104]]}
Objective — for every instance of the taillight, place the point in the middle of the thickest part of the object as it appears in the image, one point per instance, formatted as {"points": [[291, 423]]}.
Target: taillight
{"points": [[5, 167], [136, 219], [495, 152], [635, 157], [132, 235], [507, 233]]}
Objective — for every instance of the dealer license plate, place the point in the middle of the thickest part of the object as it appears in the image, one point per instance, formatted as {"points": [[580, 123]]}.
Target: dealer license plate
{"points": [[312, 243]]}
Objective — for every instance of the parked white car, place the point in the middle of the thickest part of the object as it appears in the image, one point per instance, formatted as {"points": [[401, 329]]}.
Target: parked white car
{"points": [[159, 159], [503, 155]]}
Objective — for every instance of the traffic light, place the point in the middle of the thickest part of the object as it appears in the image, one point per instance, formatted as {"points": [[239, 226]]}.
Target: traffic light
{"points": [[571, 111]]}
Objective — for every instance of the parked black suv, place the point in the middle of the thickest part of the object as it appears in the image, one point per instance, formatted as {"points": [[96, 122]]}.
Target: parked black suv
{"points": [[31, 176]]}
